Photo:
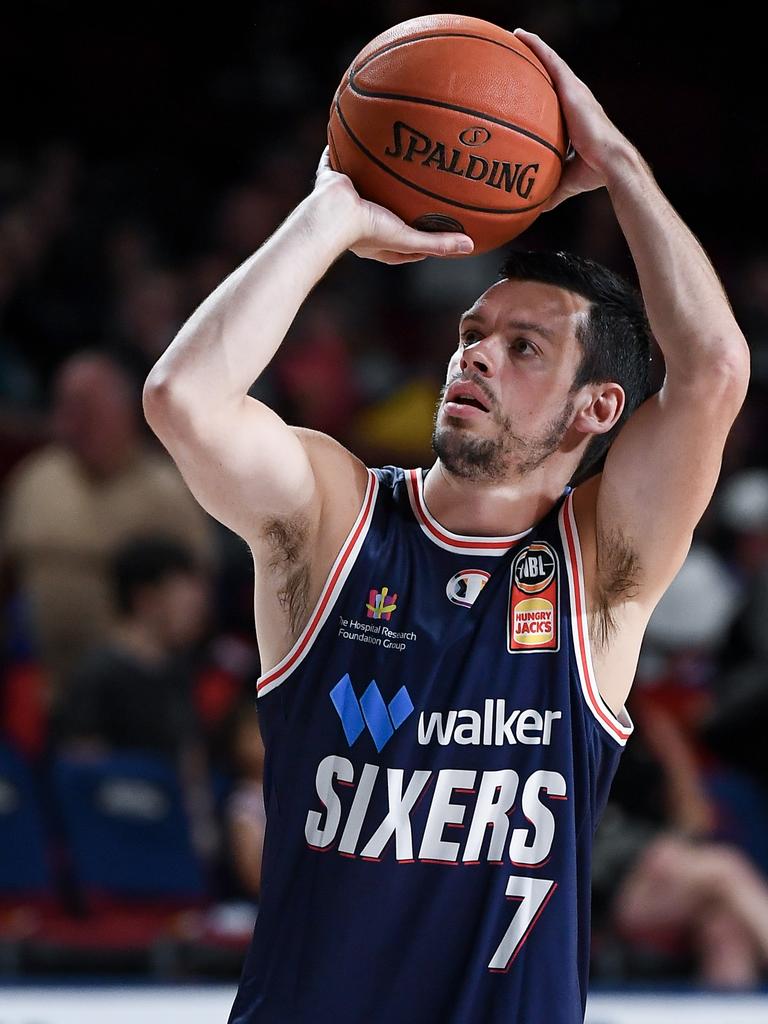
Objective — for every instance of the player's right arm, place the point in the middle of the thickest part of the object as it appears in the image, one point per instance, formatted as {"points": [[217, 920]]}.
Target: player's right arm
{"points": [[241, 461]]}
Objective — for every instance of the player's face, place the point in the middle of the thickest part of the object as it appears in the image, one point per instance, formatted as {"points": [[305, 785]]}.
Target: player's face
{"points": [[517, 344]]}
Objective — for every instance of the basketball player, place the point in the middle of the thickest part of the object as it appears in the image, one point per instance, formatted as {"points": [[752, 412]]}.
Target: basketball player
{"points": [[447, 654]]}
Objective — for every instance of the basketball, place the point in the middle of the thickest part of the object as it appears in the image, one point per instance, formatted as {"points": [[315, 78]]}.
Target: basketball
{"points": [[453, 124]]}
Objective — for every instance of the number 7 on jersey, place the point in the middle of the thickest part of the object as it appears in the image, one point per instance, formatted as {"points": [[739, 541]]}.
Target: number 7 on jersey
{"points": [[534, 894]]}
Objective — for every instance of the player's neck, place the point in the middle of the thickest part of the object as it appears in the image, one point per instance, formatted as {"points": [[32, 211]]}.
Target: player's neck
{"points": [[491, 509]]}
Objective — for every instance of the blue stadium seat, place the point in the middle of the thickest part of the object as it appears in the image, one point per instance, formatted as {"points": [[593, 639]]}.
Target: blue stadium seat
{"points": [[24, 869], [127, 829], [742, 804]]}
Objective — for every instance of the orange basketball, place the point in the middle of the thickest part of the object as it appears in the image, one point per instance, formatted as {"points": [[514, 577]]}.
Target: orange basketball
{"points": [[452, 123]]}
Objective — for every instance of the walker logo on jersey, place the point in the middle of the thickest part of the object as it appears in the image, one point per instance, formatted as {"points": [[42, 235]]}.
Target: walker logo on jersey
{"points": [[371, 710], [381, 604], [534, 593], [494, 727], [464, 587]]}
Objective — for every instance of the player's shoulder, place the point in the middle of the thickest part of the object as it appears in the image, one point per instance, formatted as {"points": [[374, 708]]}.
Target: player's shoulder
{"points": [[584, 499], [611, 566], [580, 508], [340, 475], [605, 544]]}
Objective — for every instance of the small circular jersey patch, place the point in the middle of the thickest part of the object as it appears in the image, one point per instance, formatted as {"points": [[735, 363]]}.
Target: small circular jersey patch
{"points": [[464, 586], [535, 568]]}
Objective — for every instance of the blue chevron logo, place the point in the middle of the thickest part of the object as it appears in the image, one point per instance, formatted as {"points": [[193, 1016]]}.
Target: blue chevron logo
{"points": [[371, 710]]}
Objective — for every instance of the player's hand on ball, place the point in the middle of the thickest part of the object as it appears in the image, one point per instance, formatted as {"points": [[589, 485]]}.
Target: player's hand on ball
{"points": [[596, 141], [379, 234]]}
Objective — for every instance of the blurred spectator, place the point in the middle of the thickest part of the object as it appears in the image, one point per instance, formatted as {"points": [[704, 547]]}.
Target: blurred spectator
{"points": [[68, 505], [675, 897], [135, 690], [675, 687], [743, 509], [734, 726], [694, 613], [246, 817], [751, 293], [245, 218], [706, 897], [398, 429], [317, 374], [675, 878], [149, 313]]}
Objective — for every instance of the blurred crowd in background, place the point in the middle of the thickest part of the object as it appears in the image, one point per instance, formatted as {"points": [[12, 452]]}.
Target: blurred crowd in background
{"points": [[128, 656]]}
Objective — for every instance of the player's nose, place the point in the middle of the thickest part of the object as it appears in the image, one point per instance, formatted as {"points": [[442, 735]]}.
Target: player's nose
{"points": [[482, 356]]}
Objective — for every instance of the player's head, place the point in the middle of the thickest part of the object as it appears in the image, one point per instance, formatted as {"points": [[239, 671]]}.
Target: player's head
{"points": [[157, 580], [560, 386], [95, 411]]}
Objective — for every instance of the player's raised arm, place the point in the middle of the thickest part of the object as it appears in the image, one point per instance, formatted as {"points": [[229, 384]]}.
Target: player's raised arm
{"points": [[661, 470], [239, 458]]}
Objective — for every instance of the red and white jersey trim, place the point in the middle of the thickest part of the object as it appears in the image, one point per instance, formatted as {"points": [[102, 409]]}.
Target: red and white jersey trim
{"points": [[621, 727], [334, 582], [445, 538]]}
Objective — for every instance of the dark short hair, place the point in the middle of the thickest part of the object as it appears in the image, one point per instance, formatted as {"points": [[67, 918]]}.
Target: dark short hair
{"points": [[147, 560], [615, 339]]}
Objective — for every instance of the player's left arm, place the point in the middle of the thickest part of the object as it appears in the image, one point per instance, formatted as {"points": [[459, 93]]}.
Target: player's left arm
{"points": [[661, 470]]}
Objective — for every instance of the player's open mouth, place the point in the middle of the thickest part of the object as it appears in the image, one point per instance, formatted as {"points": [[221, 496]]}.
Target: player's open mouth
{"points": [[465, 398], [464, 406]]}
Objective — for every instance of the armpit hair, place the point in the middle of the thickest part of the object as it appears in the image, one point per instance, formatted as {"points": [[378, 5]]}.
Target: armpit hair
{"points": [[287, 540], [618, 579]]}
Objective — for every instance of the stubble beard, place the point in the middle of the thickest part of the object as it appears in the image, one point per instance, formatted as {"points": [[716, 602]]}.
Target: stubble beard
{"points": [[494, 459]]}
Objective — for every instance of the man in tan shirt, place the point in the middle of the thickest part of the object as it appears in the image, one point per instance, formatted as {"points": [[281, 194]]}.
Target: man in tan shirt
{"points": [[69, 504]]}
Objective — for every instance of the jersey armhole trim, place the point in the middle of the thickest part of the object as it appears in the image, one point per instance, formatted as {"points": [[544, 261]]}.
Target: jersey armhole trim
{"points": [[334, 582], [619, 727]]}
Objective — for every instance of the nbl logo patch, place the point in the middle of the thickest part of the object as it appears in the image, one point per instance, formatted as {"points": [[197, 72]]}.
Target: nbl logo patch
{"points": [[533, 615]]}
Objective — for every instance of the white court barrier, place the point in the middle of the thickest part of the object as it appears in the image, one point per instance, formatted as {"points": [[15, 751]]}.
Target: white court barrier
{"points": [[210, 1004]]}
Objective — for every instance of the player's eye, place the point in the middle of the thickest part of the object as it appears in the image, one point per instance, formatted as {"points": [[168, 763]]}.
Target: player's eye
{"points": [[465, 336], [524, 346]]}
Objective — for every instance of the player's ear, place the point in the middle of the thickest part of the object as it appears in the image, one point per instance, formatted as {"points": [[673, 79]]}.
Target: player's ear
{"points": [[602, 408]]}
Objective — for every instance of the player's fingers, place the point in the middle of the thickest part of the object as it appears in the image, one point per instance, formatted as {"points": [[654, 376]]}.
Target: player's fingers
{"points": [[554, 63], [408, 257], [325, 162], [394, 258], [401, 257], [539, 47], [432, 243]]}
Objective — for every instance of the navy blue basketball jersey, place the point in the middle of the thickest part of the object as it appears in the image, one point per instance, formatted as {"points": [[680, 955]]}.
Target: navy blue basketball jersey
{"points": [[438, 757]]}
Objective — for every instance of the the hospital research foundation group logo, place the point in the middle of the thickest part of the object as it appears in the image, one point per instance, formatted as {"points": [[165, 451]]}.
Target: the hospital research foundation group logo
{"points": [[381, 604], [534, 592], [378, 608]]}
